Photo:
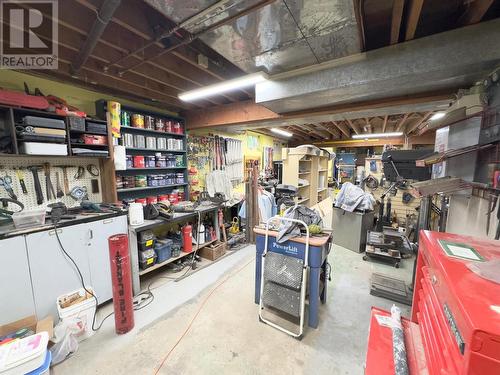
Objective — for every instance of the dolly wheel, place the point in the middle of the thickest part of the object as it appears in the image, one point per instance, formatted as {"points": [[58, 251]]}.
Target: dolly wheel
{"points": [[396, 265], [365, 257], [299, 338]]}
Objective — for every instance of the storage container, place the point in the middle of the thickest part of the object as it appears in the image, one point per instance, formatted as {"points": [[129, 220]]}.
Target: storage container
{"points": [[149, 122], [125, 118], [139, 141], [138, 161], [150, 161], [26, 219], [161, 161], [147, 258], [161, 143], [44, 369], [159, 125], [151, 143], [163, 250], [151, 200], [129, 161], [24, 355], [176, 249], [128, 140], [141, 201], [83, 310], [119, 182], [95, 127], [179, 161], [91, 139], [168, 126], [76, 123], [141, 181], [138, 121], [128, 182], [38, 148], [177, 127]]}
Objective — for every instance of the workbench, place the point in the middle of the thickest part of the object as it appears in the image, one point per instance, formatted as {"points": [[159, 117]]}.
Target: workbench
{"points": [[319, 248]]}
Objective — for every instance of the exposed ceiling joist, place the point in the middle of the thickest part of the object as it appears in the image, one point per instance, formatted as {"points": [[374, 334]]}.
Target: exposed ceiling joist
{"points": [[329, 130], [342, 128], [296, 131], [314, 128], [477, 9], [384, 125], [415, 8], [419, 122], [402, 122], [397, 16], [353, 126], [368, 125]]}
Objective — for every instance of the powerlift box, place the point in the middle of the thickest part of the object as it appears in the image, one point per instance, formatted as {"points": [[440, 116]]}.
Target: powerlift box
{"points": [[455, 321]]}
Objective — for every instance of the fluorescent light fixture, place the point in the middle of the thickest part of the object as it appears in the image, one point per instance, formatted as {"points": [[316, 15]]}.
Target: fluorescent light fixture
{"points": [[282, 132], [437, 116], [377, 135], [219, 88]]}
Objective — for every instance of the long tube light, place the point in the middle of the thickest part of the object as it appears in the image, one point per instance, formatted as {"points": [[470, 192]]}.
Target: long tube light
{"points": [[377, 135], [282, 132], [219, 88]]}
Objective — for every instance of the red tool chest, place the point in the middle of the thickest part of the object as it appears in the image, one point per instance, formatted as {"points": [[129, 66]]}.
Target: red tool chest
{"points": [[455, 322]]}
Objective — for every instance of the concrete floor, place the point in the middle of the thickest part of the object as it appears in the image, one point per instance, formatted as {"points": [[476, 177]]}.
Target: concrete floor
{"points": [[226, 336]]}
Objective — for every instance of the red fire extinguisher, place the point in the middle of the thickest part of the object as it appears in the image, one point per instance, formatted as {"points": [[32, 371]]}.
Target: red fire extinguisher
{"points": [[121, 279], [187, 238]]}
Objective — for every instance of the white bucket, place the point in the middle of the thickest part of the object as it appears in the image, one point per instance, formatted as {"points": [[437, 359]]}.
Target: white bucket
{"points": [[83, 312]]}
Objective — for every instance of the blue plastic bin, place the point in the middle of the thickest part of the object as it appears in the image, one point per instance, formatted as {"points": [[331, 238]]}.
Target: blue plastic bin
{"points": [[163, 250]]}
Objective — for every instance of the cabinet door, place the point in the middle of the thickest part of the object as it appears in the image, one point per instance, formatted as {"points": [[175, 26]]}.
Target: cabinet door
{"points": [[98, 251], [52, 273], [16, 295]]}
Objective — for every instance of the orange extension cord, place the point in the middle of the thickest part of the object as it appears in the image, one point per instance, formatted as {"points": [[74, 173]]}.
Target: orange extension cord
{"points": [[197, 313]]}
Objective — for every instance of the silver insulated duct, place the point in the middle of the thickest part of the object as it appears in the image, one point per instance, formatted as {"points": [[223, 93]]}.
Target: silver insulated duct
{"points": [[284, 35]]}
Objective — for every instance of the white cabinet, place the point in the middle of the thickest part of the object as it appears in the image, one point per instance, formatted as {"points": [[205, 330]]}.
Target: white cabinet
{"points": [[16, 296], [52, 272], [98, 253]]}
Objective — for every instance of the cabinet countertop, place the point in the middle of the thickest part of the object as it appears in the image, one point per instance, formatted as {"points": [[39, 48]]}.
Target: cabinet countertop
{"points": [[8, 230]]}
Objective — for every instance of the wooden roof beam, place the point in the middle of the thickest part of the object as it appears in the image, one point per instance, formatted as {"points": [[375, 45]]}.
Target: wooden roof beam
{"points": [[329, 130], [353, 126], [419, 122], [384, 125], [343, 129], [401, 123], [415, 8], [397, 16], [476, 11]]}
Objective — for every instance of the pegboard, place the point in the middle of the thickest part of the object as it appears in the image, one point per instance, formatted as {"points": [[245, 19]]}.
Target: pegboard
{"points": [[8, 165]]}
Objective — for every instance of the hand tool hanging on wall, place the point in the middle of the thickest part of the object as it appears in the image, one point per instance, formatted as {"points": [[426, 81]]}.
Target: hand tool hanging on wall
{"points": [[6, 182], [51, 194], [38, 186], [20, 177], [65, 178], [59, 191]]}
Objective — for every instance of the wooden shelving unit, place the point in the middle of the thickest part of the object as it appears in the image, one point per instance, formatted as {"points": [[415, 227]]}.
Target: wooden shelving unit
{"points": [[311, 165]]}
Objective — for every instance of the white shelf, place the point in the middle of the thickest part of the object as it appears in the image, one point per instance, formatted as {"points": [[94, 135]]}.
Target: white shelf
{"points": [[323, 170], [303, 186], [302, 200], [320, 190], [304, 172]]}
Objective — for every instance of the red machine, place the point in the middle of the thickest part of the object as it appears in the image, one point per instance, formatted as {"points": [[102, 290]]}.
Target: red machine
{"points": [[121, 278], [187, 238], [455, 323]]}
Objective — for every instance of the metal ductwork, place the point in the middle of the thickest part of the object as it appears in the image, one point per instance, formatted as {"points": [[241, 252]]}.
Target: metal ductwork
{"points": [[104, 15], [443, 61], [284, 35]]}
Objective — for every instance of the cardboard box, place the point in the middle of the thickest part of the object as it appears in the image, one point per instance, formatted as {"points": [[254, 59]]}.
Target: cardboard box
{"points": [[213, 251], [46, 324]]}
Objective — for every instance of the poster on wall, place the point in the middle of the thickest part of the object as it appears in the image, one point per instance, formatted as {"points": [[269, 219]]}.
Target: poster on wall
{"points": [[441, 145]]}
